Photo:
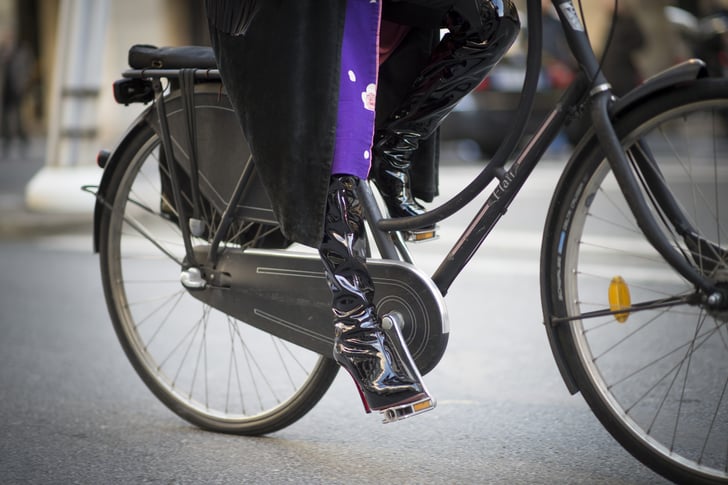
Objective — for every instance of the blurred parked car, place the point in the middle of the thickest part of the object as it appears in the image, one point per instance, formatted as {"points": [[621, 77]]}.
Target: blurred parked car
{"points": [[483, 118], [481, 121], [707, 36]]}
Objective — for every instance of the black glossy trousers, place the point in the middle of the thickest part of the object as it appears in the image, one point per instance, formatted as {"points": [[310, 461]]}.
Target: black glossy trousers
{"points": [[432, 13]]}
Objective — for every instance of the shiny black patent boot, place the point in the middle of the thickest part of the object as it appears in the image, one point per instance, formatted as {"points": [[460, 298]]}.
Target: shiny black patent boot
{"points": [[377, 359], [476, 41], [393, 152]]}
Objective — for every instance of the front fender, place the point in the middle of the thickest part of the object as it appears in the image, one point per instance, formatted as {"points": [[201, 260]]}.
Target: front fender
{"points": [[689, 70], [684, 72]]}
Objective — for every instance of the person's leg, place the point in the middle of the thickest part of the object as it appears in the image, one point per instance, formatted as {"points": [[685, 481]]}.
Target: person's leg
{"points": [[480, 33], [378, 361]]}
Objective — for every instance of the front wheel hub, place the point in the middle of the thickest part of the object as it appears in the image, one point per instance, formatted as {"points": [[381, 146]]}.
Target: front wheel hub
{"points": [[716, 303]]}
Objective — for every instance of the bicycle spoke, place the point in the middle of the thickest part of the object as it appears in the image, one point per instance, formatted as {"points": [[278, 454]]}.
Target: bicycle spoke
{"points": [[253, 364], [723, 397], [213, 370], [233, 365], [163, 320], [146, 234], [651, 351], [634, 308], [201, 356], [189, 336], [711, 207]]}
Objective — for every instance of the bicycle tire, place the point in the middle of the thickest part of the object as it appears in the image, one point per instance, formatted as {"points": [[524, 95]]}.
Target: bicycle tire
{"points": [[657, 382], [210, 369]]}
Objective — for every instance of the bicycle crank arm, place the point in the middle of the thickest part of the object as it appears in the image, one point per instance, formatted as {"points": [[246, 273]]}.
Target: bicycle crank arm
{"points": [[286, 294]]}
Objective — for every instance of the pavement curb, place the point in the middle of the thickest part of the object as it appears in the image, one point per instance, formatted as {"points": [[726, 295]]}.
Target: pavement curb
{"points": [[37, 201]]}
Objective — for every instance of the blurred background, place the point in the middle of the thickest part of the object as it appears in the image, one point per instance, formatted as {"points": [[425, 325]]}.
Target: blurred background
{"points": [[60, 57], [51, 40], [641, 40]]}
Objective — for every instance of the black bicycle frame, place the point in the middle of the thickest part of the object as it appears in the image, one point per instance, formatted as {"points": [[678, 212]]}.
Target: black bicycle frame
{"points": [[590, 85]]}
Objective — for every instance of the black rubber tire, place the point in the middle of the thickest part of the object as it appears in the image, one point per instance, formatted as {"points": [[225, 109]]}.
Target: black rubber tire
{"points": [[667, 360], [140, 275]]}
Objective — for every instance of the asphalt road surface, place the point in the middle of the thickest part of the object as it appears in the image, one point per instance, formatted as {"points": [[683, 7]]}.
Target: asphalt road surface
{"points": [[72, 410]]}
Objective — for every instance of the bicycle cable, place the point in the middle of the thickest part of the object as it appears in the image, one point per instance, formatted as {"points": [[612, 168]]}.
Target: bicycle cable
{"points": [[504, 151], [609, 39]]}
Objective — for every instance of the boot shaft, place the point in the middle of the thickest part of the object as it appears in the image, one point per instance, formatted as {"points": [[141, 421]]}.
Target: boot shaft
{"points": [[476, 41], [380, 365], [343, 249]]}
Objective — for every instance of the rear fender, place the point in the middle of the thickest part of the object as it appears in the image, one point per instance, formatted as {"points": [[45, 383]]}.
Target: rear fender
{"points": [[110, 165]]}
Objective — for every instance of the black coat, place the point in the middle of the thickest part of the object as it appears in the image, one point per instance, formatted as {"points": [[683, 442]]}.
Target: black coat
{"points": [[282, 76]]}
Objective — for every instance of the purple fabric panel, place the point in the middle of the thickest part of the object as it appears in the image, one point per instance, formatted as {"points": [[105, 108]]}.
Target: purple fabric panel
{"points": [[357, 89]]}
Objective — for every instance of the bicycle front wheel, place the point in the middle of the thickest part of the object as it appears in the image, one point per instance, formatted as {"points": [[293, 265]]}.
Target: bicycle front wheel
{"points": [[656, 378], [209, 368]]}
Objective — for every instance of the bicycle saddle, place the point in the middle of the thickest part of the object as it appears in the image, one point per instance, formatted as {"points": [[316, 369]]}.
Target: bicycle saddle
{"points": [[142, 56]]}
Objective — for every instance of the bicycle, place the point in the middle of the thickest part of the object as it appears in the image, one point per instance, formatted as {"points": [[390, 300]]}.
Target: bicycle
{"points": [[228, 324]]}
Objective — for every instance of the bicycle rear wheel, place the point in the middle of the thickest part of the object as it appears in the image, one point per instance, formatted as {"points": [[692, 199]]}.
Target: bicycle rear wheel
{"points": [[658, 378], [209, 368]]}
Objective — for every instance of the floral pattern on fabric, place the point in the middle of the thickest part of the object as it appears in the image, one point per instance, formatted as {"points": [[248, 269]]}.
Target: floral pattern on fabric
{"points": [[357, 89]]}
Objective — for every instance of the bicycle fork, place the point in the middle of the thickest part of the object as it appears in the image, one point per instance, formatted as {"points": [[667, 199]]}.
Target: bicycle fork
{"points": [[620, 164], [600, 98]]}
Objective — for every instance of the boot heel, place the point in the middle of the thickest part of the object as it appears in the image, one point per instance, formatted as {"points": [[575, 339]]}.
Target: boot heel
{"points": [[364, 402], [403, 411]]}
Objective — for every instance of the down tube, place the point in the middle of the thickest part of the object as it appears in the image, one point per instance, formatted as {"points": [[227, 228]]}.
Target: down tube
{"points": [[502, 196]]}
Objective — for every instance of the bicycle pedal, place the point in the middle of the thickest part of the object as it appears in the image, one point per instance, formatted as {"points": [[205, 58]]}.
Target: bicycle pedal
{"points": [[421, 235], [403, 411]]}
